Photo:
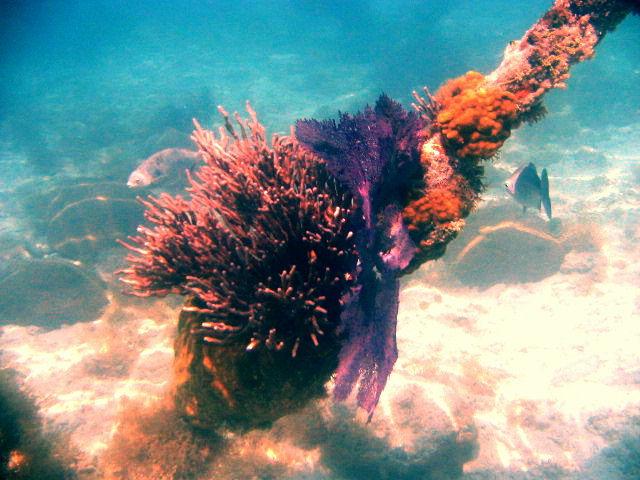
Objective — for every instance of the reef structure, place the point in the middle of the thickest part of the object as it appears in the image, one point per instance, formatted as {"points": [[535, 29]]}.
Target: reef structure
{"points": [[472, 116], [291, 251], [264, 250], [374, 153]]}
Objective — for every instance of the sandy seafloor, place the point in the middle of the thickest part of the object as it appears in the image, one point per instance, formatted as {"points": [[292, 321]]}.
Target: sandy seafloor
{"points": [[544, 374], [548, 372]]}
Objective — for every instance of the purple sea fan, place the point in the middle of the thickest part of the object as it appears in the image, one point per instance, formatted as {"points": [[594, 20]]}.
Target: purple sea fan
{"points": [[375, 154], [263, 243], [371, 151], [352, 150]]}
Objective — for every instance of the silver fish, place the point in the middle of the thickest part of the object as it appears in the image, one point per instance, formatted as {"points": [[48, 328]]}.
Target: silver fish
{"points": [[528, 189], [162, 164]]}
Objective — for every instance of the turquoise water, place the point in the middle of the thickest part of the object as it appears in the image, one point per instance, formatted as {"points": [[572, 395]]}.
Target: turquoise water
{"points": [[90, 88], [84, 78]]}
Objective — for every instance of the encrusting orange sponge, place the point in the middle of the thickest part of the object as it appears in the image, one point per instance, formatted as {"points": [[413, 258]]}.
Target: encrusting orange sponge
{"points": [[475, 118], [437, 206], [433, 215]]}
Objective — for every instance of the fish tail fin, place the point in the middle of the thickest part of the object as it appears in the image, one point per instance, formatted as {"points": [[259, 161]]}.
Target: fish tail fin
{"points": [[544, 192]]}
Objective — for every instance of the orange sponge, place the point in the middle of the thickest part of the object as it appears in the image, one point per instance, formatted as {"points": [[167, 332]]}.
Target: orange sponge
{"points": [[475, 118], [437, 206]]}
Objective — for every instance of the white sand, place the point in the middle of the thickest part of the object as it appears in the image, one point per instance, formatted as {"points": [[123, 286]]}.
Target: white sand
{"points": [[546, 371]]}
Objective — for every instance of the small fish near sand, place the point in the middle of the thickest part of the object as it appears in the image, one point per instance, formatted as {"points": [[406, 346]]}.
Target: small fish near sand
{"points": [[167, 163], [529, 189]]}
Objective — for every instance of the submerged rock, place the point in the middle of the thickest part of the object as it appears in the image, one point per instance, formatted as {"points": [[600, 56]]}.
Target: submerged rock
{"points": [[83, 229], [48, 293], [13, 247], [509, 252], [43, 198], [69, 194], [81, 218], [502, 246], [26, 451]]}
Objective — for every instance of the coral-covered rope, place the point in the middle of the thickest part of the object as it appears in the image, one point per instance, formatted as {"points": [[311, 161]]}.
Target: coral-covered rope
{"points": [[290, 247]]}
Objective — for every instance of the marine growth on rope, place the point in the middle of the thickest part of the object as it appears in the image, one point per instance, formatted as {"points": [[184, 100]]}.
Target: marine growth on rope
{"points": [[264, 241], [297, 244]]}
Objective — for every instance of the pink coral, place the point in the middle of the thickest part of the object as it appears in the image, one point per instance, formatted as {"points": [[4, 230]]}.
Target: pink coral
{"points": [[263, 242]]}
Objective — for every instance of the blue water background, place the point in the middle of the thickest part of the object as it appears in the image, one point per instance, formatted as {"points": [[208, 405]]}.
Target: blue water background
{"points": [[88, 83]]}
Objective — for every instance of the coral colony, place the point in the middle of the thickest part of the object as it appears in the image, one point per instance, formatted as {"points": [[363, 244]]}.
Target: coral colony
{"points": [[290, 251]]}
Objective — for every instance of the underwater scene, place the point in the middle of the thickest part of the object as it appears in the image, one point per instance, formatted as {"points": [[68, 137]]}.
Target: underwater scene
{"points": [[320, 240]]}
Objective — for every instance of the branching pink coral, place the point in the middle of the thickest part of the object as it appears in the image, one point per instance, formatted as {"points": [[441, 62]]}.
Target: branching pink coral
{"points": [[263, 243]]}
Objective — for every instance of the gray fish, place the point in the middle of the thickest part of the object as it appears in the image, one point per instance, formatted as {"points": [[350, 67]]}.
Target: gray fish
{"points": [[528, 189], [165, 163]]}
